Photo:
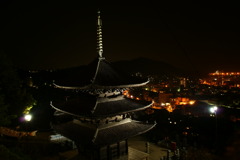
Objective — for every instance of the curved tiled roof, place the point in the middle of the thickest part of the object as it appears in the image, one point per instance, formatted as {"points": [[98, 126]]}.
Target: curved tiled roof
{"points": [[99, 74], [91, 106], [102, 136]]}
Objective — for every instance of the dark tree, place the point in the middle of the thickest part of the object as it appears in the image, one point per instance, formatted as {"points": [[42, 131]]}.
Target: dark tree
{"points": [[14, 98]]}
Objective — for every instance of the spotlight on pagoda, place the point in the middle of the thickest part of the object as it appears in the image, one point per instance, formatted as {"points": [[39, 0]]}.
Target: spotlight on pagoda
{"points": [[28, 117]]}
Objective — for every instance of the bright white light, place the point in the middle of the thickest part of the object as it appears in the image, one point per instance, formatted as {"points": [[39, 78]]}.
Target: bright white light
{"points": [[28, 117], [213, 109]]}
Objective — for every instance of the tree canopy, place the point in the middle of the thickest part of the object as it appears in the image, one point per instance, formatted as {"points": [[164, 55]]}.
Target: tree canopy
{"points": [[14, 98]]}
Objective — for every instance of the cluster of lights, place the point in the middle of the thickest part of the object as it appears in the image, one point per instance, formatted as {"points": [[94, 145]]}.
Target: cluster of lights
{"points": [[191, 102], [169, 108], [165, 104], [224, 74], [126, 93], [213, 109], [172, 122]]}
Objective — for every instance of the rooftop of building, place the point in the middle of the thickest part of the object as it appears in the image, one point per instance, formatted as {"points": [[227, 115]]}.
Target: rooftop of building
{"points": [[99, 74]]}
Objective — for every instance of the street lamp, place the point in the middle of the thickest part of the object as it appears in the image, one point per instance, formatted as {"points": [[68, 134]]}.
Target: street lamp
{"points": [[28, 117], [213, 110]]}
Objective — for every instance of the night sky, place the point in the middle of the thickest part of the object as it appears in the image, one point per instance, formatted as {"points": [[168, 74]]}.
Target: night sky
{"points": [[202, 37]]}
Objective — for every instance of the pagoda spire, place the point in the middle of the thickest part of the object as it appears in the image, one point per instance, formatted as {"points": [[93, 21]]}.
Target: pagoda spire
{"points": [[99, 35]]}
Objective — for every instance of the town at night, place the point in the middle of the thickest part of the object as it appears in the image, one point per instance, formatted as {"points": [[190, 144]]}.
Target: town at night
{"points": [[82, 81]]}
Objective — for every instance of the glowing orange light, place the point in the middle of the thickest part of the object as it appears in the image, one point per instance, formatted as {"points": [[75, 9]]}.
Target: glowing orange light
{"points": [[185, 133], [224, 73], [192, 102], [169, 108]]}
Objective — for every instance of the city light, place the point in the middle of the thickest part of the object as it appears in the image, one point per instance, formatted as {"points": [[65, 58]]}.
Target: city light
{"points": [[191, 102], [217, 73], [230, 79]]}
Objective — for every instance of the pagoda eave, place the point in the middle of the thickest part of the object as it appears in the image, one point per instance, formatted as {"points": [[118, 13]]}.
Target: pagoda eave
{"points": [[102, 136], [96, 86], [96, 115]]}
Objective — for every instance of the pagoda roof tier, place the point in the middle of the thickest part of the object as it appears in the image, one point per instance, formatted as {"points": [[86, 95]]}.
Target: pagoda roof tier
{"points": [[102, 135], [100, 74], [92, 106]]}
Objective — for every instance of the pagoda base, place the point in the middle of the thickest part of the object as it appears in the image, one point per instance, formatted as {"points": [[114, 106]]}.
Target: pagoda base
{"points": [[132, 154], [116, 151]]}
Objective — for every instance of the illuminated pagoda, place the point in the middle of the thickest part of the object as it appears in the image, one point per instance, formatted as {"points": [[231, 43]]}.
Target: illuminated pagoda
{"points": [[96, 115]]}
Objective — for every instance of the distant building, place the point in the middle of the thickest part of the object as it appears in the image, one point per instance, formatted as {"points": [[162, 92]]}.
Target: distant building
{"points": [[219, 78]]}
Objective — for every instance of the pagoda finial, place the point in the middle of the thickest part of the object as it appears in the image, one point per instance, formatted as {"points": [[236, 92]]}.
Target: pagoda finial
{"points": [[99, 35]]}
